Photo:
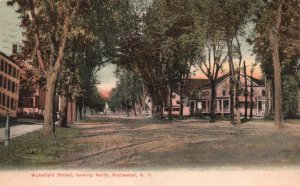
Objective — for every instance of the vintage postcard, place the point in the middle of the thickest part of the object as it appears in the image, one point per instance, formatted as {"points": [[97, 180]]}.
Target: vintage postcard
{"points": [[149, 92]]}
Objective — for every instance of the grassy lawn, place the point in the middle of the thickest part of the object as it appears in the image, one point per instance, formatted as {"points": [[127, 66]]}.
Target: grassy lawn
{"points": [[293, 121], [32, 150]]}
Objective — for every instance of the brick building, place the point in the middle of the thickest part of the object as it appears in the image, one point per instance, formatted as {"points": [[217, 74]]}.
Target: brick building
{"points": [[9, 86]]}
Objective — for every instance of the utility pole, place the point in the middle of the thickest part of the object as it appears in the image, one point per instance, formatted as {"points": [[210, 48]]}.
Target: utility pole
{"points": [[7, 130], [251, 93]]}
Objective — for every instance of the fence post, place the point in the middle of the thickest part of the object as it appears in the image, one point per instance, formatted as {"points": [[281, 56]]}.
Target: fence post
{"points": [[7, 131]]}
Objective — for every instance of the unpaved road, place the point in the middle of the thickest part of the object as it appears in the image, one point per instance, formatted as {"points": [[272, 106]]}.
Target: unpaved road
{"points": [[146, 143]]}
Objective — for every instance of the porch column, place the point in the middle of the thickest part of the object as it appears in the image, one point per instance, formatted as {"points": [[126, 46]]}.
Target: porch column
{"points": [[222, 107], [256, 106]]}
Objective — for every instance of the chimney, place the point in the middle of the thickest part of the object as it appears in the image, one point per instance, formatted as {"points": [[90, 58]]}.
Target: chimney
{"points": [[14, 49]]}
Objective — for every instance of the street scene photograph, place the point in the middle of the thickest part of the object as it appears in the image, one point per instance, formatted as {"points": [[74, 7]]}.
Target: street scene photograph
{"points": [[132, 89]]}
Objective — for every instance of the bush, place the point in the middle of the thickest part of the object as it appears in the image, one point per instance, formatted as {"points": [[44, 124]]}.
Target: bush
{"points": [[290, 96], [26, 115]]}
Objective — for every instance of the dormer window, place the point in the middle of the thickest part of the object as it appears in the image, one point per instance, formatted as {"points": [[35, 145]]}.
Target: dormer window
{"points": [[224, 93]]}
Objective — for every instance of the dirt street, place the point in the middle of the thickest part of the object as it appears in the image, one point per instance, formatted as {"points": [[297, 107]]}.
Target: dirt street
{"points": [[147, 143]]}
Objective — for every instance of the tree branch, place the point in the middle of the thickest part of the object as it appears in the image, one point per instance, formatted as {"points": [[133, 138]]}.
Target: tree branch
{"points": [[37, 38], [62, 45]]}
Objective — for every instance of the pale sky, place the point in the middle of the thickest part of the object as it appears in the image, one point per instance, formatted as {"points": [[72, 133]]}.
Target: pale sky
{"points": [[11, 33]]}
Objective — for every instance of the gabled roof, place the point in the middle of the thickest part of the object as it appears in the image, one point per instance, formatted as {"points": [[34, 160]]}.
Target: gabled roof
{"points": [[191, 84], [196, 84], [224, 77], [257, 81]]}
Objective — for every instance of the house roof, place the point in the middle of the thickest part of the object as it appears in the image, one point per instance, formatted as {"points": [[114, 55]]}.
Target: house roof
{"points": [[196, 84], [192, 84], [7, 57], [224, 77]]}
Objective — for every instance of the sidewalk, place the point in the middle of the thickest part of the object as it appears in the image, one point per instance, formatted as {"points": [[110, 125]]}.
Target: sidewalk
{"points": [[19, 130]]}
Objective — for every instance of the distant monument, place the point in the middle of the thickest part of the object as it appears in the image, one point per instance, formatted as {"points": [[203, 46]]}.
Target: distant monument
{"points": [[106, 109]]}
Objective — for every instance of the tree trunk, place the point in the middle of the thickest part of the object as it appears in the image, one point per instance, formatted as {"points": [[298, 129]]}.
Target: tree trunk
{"points": [[127, 110], [80, 109], [161, 111], [267, 102], [134, 109], [62, 122], [74, 111], [251, 96], [237, 106], [49, 99], [232, 81], [278, 118], [170, 103], [213, 99], [272, 97], [237, 94], [181, 101], [246, 92]]}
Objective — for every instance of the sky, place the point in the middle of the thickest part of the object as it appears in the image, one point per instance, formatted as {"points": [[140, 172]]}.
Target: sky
{"points": [[11, 33]]}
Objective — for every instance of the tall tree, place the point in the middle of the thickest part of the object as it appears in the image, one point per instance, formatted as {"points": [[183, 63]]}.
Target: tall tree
{"points": [[222, 40], [129, 94], [236, 14], [48, 24], [158, 49], [277, 22], [211, 62], [246, 91]]}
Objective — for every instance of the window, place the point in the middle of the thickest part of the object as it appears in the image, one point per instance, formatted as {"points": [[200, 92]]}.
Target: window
{"points": [[204, 105], [0, 80], [37, 101], [208, 105], [224, 93], [3, 99], [7, 102], [5, 67], [263, 93], [176, 109], [14, 72], [259, 105], [13, 87], [226, 104], [9, 69], [4, 82], [2, 65], [8, 85], [12, 103]]}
